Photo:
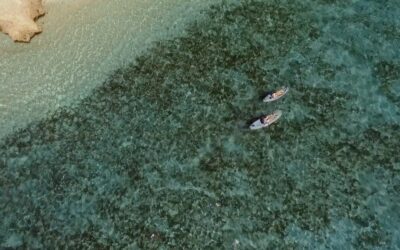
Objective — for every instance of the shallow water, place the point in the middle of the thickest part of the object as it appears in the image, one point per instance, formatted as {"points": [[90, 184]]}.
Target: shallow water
{"points": [[159, 156], [82, 43]]}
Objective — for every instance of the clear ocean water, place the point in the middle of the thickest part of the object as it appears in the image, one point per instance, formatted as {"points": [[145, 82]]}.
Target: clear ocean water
{"points": [[159, 155]]}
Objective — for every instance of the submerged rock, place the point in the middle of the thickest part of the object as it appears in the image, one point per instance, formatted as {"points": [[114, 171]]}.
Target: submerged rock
{"points": [[17, 18]]}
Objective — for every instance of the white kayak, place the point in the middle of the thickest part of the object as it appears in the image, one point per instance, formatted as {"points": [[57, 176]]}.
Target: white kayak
{"points": [[273, 96], [266, 120]]}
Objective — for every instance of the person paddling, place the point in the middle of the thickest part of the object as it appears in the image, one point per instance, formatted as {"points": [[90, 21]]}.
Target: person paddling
{"points": [[275, 95]]}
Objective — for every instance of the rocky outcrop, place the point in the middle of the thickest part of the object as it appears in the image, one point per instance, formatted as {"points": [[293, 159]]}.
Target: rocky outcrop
{"points": [[17, 18]]}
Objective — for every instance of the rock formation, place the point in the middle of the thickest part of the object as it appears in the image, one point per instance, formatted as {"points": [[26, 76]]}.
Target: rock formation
{"points": [[17, 18]]}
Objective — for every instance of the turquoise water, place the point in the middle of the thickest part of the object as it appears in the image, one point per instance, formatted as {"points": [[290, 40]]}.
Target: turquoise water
{"points": [[160, 157]]}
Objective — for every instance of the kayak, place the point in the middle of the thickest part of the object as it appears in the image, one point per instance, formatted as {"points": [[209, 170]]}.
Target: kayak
{"points": [[273, 96], [266, 120]]}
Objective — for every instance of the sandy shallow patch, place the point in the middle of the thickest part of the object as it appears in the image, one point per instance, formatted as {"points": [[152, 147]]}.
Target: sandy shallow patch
{"points": [[82, 43]]}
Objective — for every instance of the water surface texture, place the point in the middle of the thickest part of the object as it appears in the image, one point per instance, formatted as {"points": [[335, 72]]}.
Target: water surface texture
{"points": [[82, 43], [160, 157]]}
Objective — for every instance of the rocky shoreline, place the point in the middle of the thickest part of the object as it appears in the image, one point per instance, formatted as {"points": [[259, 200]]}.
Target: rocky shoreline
{"points": [[17, 18]]}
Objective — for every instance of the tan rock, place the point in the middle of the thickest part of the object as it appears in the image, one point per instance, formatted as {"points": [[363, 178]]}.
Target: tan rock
{"points": [[17, 18]]}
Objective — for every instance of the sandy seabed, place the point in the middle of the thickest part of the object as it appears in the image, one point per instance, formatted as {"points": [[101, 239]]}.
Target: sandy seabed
{"points": [[81, 44]]}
